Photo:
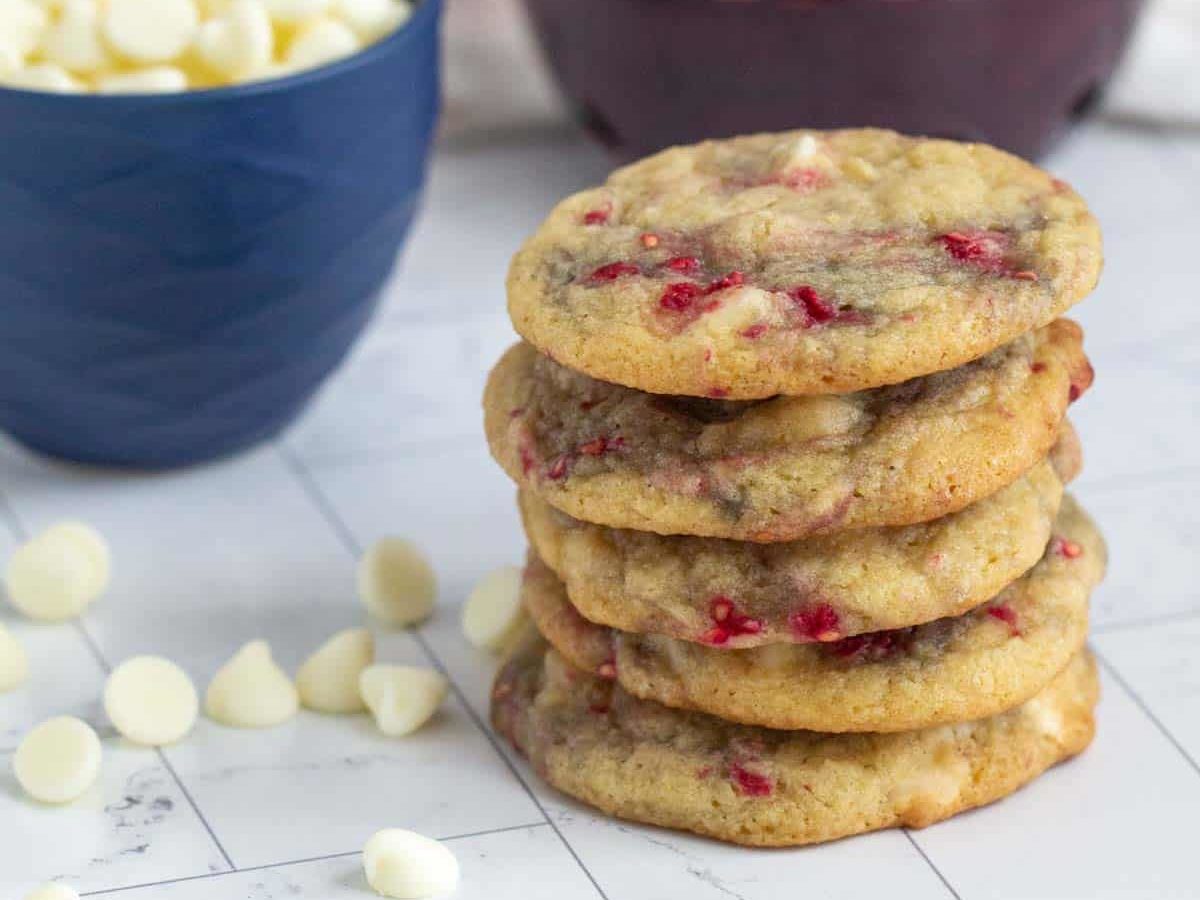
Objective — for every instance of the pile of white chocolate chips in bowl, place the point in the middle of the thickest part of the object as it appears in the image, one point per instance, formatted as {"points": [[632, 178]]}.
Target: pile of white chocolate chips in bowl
{"points": [[162, 46]]}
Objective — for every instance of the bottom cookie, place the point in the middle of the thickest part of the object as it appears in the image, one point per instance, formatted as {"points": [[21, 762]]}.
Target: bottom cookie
{"points": [[642, 761]]}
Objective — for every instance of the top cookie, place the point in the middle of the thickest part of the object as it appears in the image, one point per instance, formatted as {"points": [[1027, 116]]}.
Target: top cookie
{"points": [[801, 263]]}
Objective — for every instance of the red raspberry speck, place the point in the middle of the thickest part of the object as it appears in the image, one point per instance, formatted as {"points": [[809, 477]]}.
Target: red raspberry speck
{"points": [[1037, 368], [558, 468], [733, 279], [983, 249], [754, 332], [1067, 548], [528, 462], [718, 393], [874, 645], [601, 445], [1007, 615], [613, 271], [597, 216], [816, 308], [820, 623], [679, 296], [728, 622], [803, 179], [750, 784], [682, 264]]}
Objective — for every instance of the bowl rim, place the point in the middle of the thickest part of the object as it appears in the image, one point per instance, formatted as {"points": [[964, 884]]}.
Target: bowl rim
{"points": [[397, 40]]}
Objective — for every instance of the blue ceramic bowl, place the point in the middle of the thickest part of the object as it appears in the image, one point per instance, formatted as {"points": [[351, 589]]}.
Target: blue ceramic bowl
{"points": [[178, 274]]}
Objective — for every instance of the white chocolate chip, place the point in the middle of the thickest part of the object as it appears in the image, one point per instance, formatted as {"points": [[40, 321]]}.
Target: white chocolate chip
{"points": [[328, 680], [42, 77], [1046, 717], [52, 891], [251, 691], [371, 19], [401, 698], [150, 31], [396, 582], [14, 664], [153, 80], [408, 866], [58, 760], [493, 611], [319, 42], [238, 43], [794, 153], [54, 576], [291, 12], [74, 41], [151, 701], [22, 24]]}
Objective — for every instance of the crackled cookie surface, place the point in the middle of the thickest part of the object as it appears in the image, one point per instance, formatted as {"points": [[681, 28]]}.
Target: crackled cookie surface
{"points": [[788, 467], [738, 594], [639, 760], [949, 670], [802, 263]]}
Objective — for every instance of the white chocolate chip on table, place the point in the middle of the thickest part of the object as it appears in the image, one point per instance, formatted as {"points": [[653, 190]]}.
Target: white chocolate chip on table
{"points": [[408, 866], [14, 664], [251, 691], [54, 576], [401, 698], [58, 760], [396, 582], [493, 612], [328, 680], [151, 701], [52, 891]]}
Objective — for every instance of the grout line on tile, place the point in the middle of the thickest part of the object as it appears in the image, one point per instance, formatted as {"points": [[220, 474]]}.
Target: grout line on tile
{"points": [[297, 862], [936, 871], [1118, 626], [325, 507], [196, 809], [187, 795], [381, 454], [1137, 698]]}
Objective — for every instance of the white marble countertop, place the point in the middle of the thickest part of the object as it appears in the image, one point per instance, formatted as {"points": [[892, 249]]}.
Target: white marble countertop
{"points": [[265, 546]]}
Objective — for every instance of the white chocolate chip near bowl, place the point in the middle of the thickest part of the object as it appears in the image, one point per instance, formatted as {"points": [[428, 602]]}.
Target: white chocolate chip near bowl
{"points": [[170, 46]]}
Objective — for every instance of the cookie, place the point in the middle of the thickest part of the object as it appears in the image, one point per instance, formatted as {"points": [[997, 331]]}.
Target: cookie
{"points": [[738, 594], [642, 761], [949, 670], [788, 467], [802, 263]]}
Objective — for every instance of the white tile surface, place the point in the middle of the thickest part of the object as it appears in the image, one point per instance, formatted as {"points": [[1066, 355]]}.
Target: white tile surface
{"points": [[1118, 822], [134, 825], [263, 546], [487, 864]]}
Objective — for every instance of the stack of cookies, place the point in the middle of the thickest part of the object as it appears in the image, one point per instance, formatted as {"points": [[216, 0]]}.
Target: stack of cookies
{"points": [[789, 431]]}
